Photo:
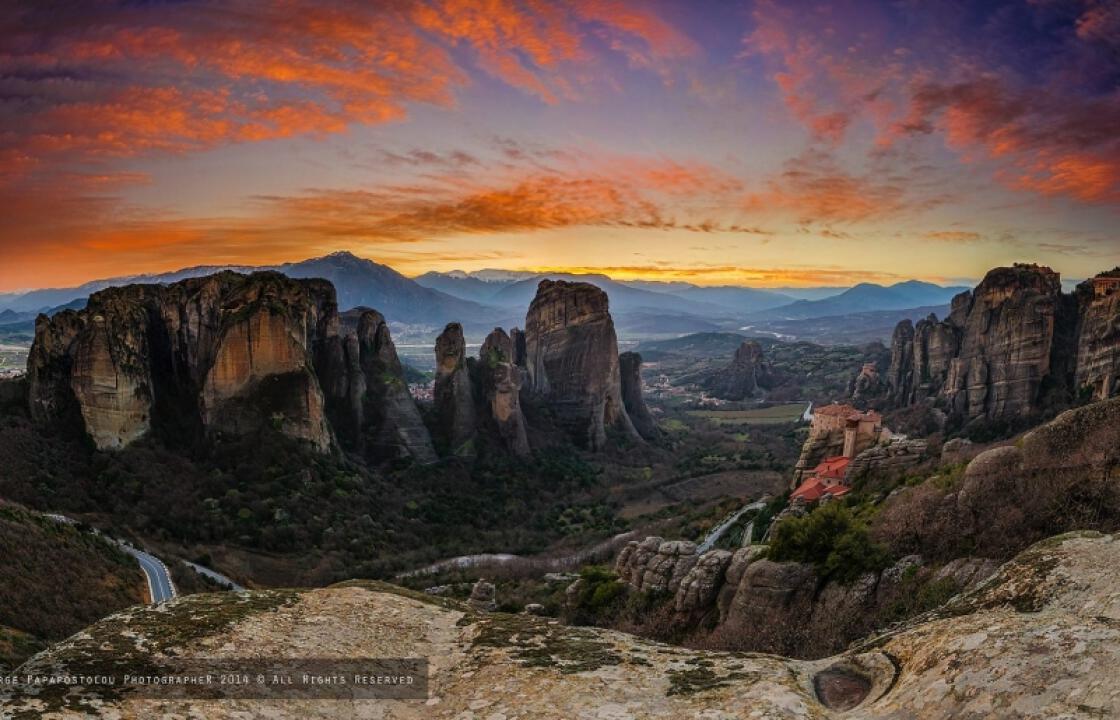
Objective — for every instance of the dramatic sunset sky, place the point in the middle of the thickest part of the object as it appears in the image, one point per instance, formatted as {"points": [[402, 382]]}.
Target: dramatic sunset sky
{"points": [[717, 141]]}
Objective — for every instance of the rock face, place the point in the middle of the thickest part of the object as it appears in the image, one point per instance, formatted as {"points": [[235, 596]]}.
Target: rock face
{"points": [[700, 587], [957, 451], [1010, 346], [367, 397], [921, 356], [454, 395], [989, 652], [500, 380], [760, 605], [1006, 340], [238, 350], [630, 368], [223, 354], [868, 384], [742, 377], [897, 454], [901, 373], [1098, 347], [572, 361], [483, 596]]}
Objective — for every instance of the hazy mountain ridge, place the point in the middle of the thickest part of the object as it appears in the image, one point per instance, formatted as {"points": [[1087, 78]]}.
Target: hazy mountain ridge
{"points": [[866, 297], [483, 299]]}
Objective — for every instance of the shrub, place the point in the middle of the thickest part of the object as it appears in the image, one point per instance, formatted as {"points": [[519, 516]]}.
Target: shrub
{"points": [[600, 598], [832, 539]]}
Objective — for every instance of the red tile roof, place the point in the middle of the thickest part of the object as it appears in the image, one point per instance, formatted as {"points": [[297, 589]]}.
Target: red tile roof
{"points": [[833, 468], [813, 489]]}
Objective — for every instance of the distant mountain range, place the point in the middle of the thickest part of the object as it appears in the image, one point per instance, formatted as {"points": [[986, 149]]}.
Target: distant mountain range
{"points": [[357, 281], [485, 299], [517, 289], [865, 297]]}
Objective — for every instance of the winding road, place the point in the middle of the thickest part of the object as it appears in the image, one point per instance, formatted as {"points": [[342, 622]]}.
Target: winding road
{"points": [[214, 575], [160, 587], [550, 564], [714, 536]]}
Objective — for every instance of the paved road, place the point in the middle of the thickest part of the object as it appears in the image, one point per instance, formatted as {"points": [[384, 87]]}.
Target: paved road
{"points": [[600, 550], [714, 536], [214, 575], [160, 587]]}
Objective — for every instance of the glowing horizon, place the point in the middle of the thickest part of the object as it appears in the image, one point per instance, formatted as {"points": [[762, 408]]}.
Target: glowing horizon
{"points": [[755, 143]]}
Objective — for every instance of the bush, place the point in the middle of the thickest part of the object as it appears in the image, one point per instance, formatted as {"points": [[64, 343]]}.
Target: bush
{"points": [[832, 539], [600, 598]]}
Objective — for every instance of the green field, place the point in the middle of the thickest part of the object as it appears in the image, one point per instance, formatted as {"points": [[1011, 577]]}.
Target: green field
{"points": [[775, 415]]}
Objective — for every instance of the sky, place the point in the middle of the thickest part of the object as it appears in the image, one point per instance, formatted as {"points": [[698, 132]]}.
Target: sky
{"points": [[759, 142]]}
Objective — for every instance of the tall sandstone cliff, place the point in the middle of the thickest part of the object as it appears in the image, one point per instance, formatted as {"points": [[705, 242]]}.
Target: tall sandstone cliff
{"points": [[499, 381], [572, 361], [742, 378], [1011, 346], [630, 369], [368, 401], [223, 354], [453, 394], [1098, 347]]}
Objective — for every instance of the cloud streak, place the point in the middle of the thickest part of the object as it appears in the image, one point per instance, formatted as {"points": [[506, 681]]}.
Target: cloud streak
{"points": [[91, 81], [1029, 89]]}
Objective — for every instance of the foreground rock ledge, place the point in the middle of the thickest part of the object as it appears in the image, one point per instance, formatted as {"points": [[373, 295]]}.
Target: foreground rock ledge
{"points": [[1040, 639]]}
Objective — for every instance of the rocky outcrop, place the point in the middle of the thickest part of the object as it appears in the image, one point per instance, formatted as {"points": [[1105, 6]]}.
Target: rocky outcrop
{"points": [[226, 354], [957, 451], [262, 373], [701, 585], [499, 382], [743, 376], [572, 361], [367, 397], [988, 652], [822, 442], [1098, 346], [867, 384], [1014, 346], [234, 352], [894, 455], [935, 346], [656, 565], [1059, 476], [453, 395], [757, 604], [630, 370], [483, 596], [901, 373], [1006, 341], [772, 594], [921, 356]]}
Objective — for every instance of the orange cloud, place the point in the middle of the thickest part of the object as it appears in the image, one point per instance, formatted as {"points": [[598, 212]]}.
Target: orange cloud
{"points": [[814, 189], [1041, 114], [105, 80], [730, 274], [612, 191], [77, 232], [953, 236]]}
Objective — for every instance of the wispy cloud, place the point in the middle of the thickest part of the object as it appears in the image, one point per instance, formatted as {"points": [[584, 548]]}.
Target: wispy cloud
{"points": [[815, 188], [1029, 88], [90, 81]]}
